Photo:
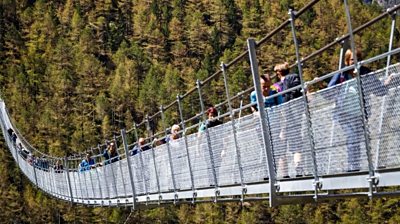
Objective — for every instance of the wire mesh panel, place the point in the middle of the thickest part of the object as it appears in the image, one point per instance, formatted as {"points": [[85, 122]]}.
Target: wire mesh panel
{"points": [[345, 148], [253, 154], [110, 171], [138, 174], [224, 152], [127, 182], [87, 180], [290, 139], [60, 183], [382, 106], [63, 183], [56, 188], [119, 179], [180, 163], [83, 182], [200, 160], [39, 178], [105, 189], [47, 182], [74, 188], [53, 190], [150, 172], [30, 172], [163, 168], [27, 169], [146, 165], [97, 183], [80, 189], [329, 160]]}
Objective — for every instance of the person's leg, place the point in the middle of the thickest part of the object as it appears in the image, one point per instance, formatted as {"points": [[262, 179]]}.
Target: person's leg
{"points": [[298, 164], [283, 166]]}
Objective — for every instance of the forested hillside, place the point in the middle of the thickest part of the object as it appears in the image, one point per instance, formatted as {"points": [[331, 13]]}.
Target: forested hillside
{"points": [[74, 72]]}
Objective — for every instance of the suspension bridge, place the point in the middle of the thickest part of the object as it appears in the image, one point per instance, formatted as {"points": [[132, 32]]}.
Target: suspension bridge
{"points": [[294, 152]]}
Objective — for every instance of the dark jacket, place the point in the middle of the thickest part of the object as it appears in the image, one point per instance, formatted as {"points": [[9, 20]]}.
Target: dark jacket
{"points": [[209, 124], [290, 81], [136, 149], [110, 158]]}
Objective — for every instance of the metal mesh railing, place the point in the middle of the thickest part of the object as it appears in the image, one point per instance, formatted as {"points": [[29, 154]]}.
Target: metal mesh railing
{"points": [[164, 168], [336, 127], [340, 142], [252, 153], [200, 160], [383, 110], [321, 133], [226, 166]]}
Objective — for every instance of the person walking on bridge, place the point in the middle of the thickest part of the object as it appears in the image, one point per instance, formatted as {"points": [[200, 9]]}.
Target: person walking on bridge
{"points": [[267, 90], [290, 123], [346, 114]]}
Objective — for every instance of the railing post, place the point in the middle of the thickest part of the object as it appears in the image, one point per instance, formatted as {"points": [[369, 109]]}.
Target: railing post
{"points": [[234, 131], [120, 166], [154, 160], [169, 154], [372, 178], [251, 44], [317, 183], [178, 98], [68, 178], [378, 143], [128, 160], [209, 146], [140, 153]]}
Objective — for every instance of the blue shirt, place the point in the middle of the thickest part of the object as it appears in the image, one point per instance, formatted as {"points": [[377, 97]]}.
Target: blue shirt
{"points": [[274, 101], [85, 165], [339, 78]]}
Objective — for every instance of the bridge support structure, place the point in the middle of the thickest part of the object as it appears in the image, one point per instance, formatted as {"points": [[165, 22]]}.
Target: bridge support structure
{"points": [[251, 44]]}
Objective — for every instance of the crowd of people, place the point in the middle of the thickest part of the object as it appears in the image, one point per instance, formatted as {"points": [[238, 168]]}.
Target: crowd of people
{"points": [[351, 124], [41, 163], [270, 92]]}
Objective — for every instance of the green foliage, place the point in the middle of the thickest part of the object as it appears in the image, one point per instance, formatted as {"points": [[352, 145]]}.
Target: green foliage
{"points": [[74, 72]]}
